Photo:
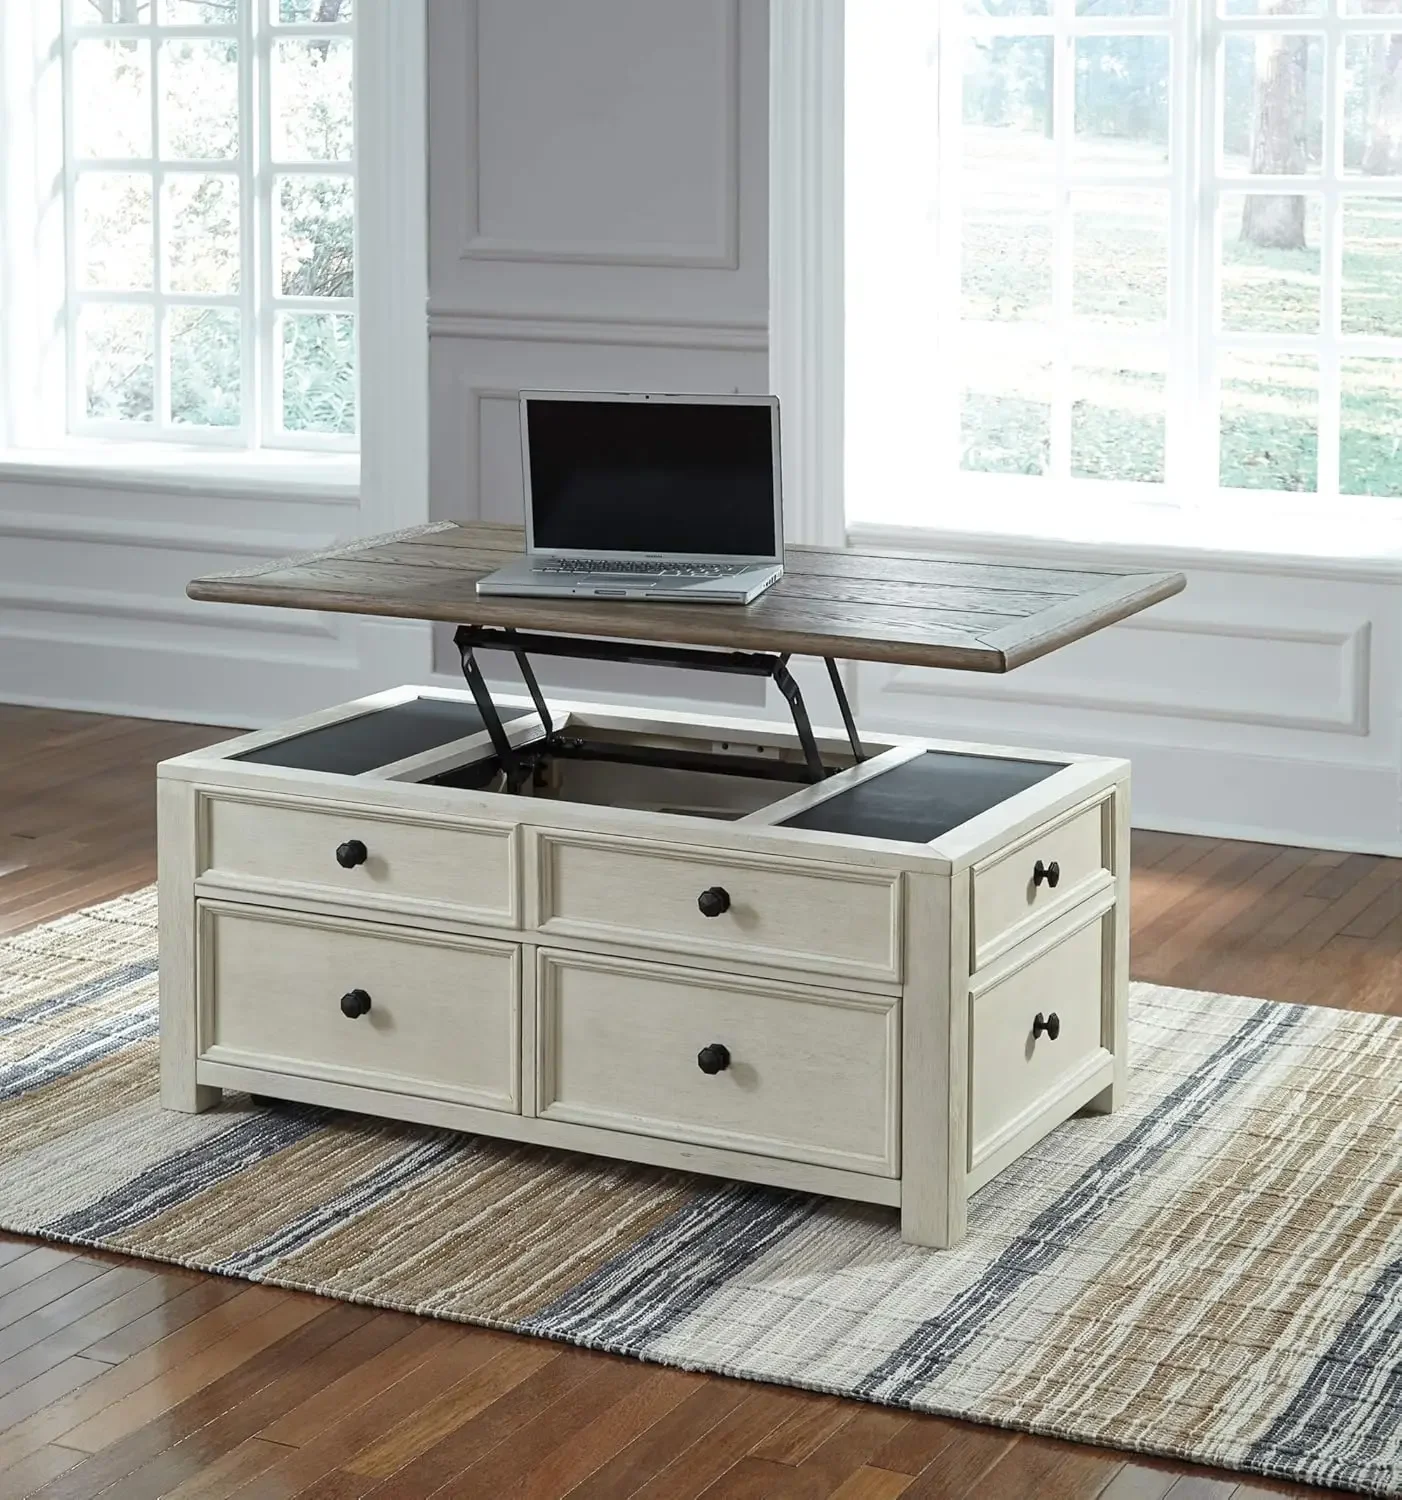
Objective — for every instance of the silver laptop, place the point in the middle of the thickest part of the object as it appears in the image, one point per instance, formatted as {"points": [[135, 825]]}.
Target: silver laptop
{"points": [[673, 498]]}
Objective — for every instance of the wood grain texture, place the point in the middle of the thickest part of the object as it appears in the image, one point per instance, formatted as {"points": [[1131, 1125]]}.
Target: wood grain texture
{"points": [[200, 1386], [894, 607]]}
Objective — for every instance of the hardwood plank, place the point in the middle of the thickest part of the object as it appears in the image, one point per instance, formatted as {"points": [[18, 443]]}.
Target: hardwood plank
{"points": [[531, 1414], [32, 1473], [1138, 1481], [815, 1421], [202, 1430], [364, 1425], [648, 1453], [204, 1339], [870, 1483], [704, 1460], [568, 1440]]}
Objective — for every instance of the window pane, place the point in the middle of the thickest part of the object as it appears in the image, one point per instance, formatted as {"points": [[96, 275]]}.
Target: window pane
{"points": [[311, 101], [1122, 103], [98, 12], [1372, 289], [205, 372], [1270, 262], [1370, 428], [1007, 265], [1270, 421], [1117, 424], [114, 231], [316, 236], [1373, 104], [1007, 416], [111, 84], [1122, 7], [1007, 105], [1120, 264], [199, 107], [324, 11], [318, 372], [1272, 7], [199, 12], [1372, 7], [1272, 110], [115, 360], [200, 219]]}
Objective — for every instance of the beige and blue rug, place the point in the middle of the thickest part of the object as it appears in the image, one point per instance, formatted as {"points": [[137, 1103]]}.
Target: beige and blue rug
{"points": [[1215, 1273]]}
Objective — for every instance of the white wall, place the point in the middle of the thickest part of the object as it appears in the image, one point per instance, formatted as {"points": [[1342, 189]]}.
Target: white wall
{"points": [[598, 187]]}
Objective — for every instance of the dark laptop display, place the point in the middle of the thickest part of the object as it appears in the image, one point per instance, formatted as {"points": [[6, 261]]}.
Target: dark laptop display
{"points": [[651, 477]]}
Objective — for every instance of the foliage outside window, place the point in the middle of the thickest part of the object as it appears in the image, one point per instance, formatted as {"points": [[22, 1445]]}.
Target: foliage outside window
{"points": [[209, 171], [1169, 241]]}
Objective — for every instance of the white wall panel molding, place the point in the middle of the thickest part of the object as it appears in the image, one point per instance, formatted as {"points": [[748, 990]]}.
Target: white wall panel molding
{"points": [[163, 609], [548, 328], [1382, 565], [806, 295], [1337, 681], [158, 535], [615, 183]]}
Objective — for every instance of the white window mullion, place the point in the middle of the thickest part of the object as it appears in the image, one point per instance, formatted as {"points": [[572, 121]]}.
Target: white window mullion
{"points": [[250, 139], [1202, 272], [1063, 105], [160, 341], [269, 357], [1331, 264]]}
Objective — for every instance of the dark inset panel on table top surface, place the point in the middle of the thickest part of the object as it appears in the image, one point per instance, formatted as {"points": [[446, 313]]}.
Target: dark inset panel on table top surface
{"points": [[378, 738], [925, 797]]}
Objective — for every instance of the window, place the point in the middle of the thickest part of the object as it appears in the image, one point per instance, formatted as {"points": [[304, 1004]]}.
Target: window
{"points": [[1153, 248], [209, 185]]}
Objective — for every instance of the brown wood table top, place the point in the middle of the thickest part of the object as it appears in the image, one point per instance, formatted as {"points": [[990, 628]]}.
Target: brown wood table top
{"points": [[898, 607]]}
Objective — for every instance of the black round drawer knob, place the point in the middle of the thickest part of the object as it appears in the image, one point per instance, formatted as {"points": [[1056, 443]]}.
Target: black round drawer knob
{"points": [[1051, 873], [351, 853], [355, 1003], [713, 901], [1051, 1025], [713, 1059]]}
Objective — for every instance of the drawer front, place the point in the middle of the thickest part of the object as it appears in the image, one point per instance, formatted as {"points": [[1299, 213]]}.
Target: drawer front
{"points": [[803, 1075], [1011, 899], [443, 1017], [789, 913], [1014, 1074], [468, 868]]}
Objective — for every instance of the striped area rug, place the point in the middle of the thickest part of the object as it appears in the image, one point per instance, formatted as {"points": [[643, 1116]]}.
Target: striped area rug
{"points": [[1215, 1273]]}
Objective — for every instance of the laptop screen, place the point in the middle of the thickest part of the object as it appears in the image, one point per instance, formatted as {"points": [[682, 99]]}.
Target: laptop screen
{"points": [[652, 476]]}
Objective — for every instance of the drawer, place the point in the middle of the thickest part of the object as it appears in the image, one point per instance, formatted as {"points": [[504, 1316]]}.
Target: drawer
{"points": [[443, 1017], [392, 859], [801, 1073], [1015, 1074], [834, 919], [1011, 900]]}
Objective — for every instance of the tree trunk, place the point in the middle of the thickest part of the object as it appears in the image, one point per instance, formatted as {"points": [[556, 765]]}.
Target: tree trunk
{"points": [[1277, 221], [1382, 151]]}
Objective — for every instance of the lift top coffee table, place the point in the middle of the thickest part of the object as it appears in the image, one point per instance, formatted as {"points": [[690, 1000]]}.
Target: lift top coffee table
{"points": [[859, 964]]}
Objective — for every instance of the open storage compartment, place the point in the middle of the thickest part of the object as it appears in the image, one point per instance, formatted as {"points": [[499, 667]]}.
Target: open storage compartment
{"points": [[595, 761]]}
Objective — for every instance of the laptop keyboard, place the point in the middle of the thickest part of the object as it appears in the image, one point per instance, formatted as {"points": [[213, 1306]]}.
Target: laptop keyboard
{"points": [[616, 565]]}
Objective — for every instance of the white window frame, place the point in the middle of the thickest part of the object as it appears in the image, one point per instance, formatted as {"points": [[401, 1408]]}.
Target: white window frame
{"points": [[889, 492], [259, 300]]}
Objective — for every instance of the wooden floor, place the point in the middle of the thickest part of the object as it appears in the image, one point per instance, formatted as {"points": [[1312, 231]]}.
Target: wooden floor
{"points": [[127, 1380]]}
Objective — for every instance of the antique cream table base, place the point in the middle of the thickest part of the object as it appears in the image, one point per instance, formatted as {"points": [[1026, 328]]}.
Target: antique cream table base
{"points": [[885, 986]]}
